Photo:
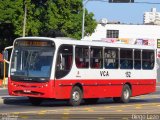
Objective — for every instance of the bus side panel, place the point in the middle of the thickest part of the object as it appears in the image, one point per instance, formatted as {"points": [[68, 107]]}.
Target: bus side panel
{"points": [[62, 91], [103, 88], [102, 91], [143, 87], [91, 88]]}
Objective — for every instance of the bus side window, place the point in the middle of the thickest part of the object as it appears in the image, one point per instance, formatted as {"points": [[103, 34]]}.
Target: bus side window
{"points": [[111, 58], [126, 58], [96, 55], [64, 61], [82, 56], [148, 59]]}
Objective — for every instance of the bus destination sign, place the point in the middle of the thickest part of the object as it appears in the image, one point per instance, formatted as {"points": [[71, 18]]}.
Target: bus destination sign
{"points": [[34, 43]]}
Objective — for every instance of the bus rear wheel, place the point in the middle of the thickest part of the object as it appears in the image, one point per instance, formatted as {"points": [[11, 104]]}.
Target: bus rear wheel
{"points": [[125, 97], [35, 101], [76, 96]]}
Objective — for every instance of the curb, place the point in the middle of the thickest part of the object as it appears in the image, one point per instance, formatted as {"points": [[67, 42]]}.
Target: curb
{"points": [[12, 99], [1, 100]]}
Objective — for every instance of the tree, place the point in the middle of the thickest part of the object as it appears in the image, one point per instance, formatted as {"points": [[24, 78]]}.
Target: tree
{"points": [[45, 15], [6, 35]]}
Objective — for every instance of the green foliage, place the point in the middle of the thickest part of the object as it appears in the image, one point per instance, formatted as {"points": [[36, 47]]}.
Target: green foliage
{"points": [[44, 15]]}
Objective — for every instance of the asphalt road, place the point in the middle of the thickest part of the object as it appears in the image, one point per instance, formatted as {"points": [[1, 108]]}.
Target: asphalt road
{"points": [[145, 107]]}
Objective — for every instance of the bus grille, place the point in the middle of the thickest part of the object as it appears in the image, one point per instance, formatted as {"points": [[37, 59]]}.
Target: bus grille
{"points": [[28, 93]]}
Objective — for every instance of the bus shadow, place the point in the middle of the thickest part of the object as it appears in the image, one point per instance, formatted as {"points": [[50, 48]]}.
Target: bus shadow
{"points": [[24, 101]]}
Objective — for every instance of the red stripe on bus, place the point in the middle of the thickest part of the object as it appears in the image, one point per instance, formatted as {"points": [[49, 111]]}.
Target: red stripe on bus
{"points": [[97, 88]]}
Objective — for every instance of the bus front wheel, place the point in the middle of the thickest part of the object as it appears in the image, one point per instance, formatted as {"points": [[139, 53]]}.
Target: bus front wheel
{"points": [[125, 97], [76, 96]]}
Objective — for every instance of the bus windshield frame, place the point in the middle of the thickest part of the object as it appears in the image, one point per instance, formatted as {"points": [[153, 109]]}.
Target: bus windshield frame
{"points": [[32, 61]]}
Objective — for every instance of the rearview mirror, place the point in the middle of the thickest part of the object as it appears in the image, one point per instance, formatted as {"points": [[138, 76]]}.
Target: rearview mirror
{"points": [[5, 55]]}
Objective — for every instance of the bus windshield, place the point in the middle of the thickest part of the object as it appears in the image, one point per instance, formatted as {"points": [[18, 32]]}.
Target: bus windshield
{"points": [[31, 63]]}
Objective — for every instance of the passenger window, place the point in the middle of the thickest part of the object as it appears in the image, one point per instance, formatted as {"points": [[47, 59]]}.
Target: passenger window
{"points": [[148, 59], [64, 61], [137, 59], [126, 59], [111, 58], [82, 57], [96, 57]]}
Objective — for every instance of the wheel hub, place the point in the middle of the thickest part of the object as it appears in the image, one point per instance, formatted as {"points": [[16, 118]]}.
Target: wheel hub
{"points": [[76, 96], [126, 94]]}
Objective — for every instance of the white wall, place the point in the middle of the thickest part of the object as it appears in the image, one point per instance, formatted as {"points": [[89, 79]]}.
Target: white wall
{"points": [[126, 31]]}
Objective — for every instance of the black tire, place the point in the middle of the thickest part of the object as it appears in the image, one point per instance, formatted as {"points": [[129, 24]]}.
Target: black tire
{"points": [[125, 97], [91, 100], [76, 96], [126, 94], [35, 101]]}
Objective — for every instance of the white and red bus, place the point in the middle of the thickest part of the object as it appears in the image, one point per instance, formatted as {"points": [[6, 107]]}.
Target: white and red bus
{"points": [[57, 68]]}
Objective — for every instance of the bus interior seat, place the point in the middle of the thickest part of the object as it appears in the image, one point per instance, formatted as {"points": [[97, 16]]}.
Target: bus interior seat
{"points": [[110, 66], [96, 64], [79, 62], [69, 62]]}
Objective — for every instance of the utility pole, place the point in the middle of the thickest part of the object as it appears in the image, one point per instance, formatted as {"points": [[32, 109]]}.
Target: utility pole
{"points": [[83, 19], [25, 17]]}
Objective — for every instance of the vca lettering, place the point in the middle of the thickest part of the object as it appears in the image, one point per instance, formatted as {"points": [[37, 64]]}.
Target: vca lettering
{"points": [[104, 73]]}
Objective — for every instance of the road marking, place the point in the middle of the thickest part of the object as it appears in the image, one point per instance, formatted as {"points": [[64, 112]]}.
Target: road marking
{"points": [[51, 110], [24, 117], [123, 106], [23, 112], [119, 110], [139, 105], [154, 103], [66, 113], [41, 113], [142, 97], [124, 118], [90, 110], [65, 117], [94, 109], [107, 107], [101, 118]]}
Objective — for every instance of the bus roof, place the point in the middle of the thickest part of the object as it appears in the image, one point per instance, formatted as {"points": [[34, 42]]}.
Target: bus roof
{"points": [[62, 40]]}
